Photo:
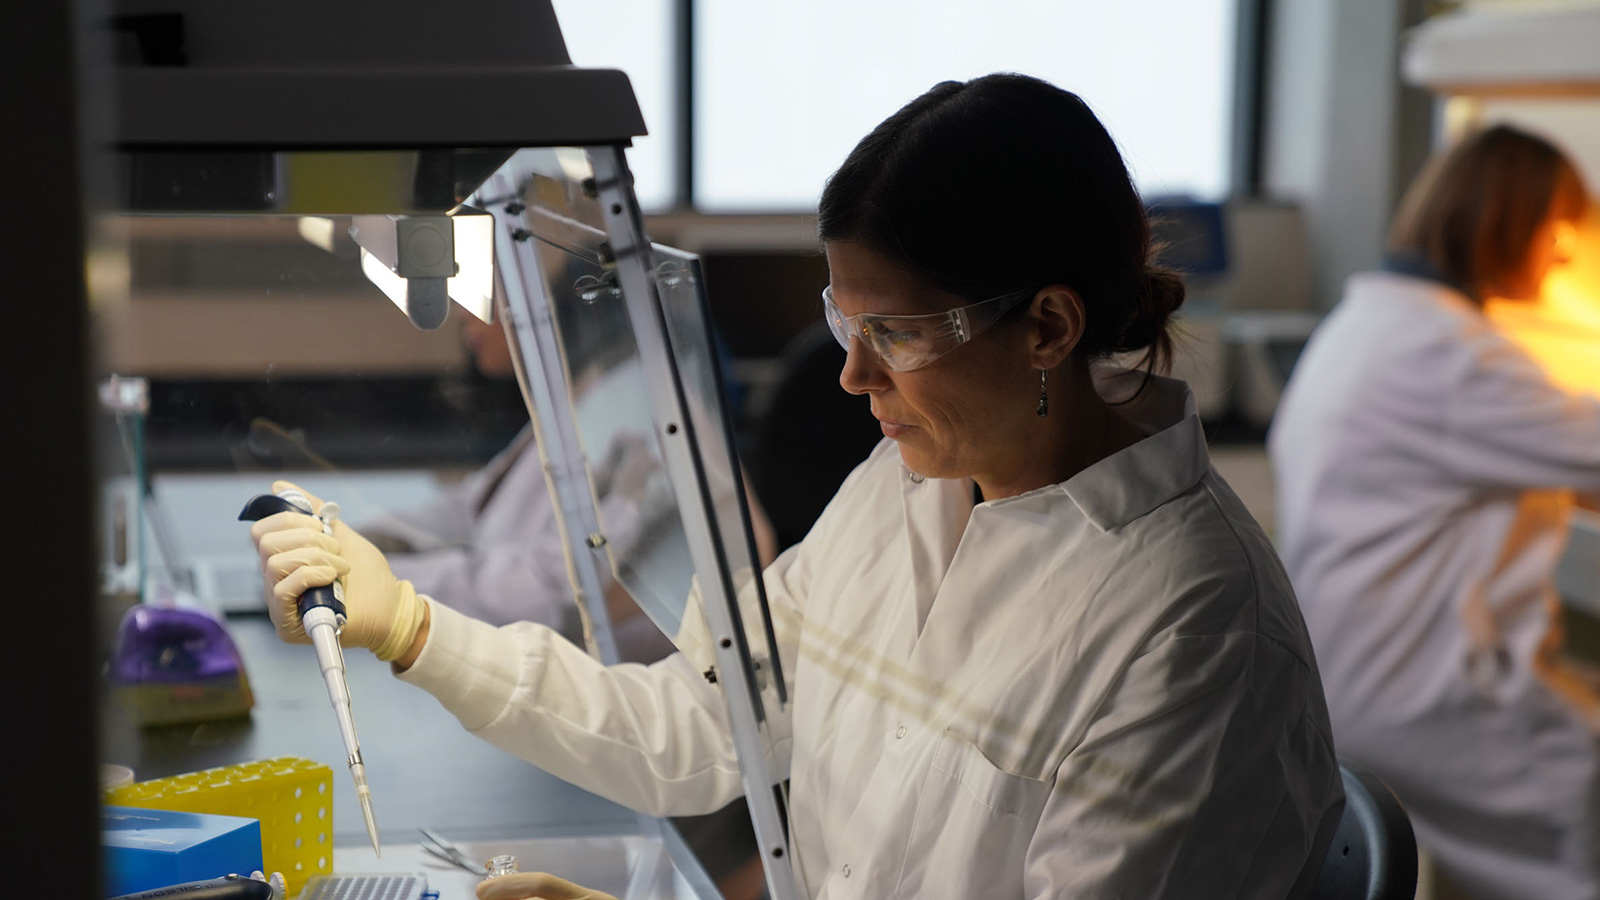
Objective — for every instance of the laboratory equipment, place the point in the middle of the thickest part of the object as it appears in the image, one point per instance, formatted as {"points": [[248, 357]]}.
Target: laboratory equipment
{"points": [[504, 165], [255, 886], [167, 664], [173, 664], [141, 561], [609, 329], [113, 776], [291, 797], [123, 406], [322, 614], [226, 571], [440, 848], [907, 343], [1192, 235], [1532, 51], [152, 848], [366, 887], [1193, 240], [1264, 346]]}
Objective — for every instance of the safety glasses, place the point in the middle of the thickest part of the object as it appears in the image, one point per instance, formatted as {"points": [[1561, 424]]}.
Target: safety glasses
{"points": [[904, 343]]}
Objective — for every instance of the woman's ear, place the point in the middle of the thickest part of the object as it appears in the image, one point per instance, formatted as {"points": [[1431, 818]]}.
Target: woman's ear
{"points": [[1058, 321]]}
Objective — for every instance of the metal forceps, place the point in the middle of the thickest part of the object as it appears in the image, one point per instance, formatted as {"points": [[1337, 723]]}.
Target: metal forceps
{"points": [[450, 853]]}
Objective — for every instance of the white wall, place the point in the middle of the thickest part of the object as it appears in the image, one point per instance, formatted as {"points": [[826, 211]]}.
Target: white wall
{"points": [[1333, 140]]}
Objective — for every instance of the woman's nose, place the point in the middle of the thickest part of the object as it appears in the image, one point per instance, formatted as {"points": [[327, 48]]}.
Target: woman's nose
{"points": [[862, 372]]}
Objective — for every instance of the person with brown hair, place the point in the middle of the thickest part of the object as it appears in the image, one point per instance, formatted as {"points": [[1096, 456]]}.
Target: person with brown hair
{"points": [[1035, 646], [1491, 217], [1426, 470]]}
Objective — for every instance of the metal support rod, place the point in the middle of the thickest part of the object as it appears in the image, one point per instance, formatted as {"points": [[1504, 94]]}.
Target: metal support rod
{"points": [[625, 224], [538, 355]]}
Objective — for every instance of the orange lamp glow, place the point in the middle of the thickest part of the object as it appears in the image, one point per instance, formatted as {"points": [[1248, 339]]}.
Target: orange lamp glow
{"points": [[1561, 329]]}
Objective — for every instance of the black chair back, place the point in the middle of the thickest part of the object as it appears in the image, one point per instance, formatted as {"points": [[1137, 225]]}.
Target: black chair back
{"points": [[811, 436], [1373, 855]]}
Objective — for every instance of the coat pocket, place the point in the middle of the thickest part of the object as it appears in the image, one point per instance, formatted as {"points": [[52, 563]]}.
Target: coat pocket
{"points": [[972, 826]]}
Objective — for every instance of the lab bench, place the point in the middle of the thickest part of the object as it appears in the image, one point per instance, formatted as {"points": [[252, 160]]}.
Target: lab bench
{"points": [[425, 771]]}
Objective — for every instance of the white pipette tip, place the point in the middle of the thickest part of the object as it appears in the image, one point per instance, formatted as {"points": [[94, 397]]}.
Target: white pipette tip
{"points": [[365, 796]]}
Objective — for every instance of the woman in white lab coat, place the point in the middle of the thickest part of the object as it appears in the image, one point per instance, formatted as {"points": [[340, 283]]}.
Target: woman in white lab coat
{"points": [[1425, 472], [1036, 646]]}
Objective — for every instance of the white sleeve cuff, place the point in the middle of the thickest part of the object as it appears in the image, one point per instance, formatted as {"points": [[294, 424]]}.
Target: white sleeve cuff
{"points": [[470, 666]]}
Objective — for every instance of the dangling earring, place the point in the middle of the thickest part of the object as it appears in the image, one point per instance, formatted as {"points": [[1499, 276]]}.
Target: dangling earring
{"points": [[1044, 398]]}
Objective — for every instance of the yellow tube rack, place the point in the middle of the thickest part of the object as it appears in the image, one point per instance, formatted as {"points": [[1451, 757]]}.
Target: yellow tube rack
{"points": [[291, 797]]}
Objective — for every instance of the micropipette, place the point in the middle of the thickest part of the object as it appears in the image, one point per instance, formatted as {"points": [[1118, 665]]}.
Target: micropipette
{"points": [[322, 614]]}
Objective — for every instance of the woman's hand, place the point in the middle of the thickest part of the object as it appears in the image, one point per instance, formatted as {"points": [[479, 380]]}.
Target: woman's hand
{"points": [[530, 885], [382, 613]]}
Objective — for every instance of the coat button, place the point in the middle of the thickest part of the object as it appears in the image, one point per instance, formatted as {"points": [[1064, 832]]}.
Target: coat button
{"points": [[845, 871], [900, 732]]}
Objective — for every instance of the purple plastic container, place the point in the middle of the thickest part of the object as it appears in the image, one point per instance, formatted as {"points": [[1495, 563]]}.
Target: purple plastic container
{"points": [[177, 665]]}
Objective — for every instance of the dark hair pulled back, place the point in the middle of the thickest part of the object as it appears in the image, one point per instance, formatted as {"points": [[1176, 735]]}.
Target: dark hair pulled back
{"points": [[1006, 183]]}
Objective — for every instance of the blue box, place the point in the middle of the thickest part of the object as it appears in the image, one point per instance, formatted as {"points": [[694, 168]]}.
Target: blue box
{"points": [[151, 848]]}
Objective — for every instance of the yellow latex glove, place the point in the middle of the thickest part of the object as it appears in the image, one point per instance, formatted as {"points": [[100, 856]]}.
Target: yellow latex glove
{"points": [[531, 885], [382, 613]]}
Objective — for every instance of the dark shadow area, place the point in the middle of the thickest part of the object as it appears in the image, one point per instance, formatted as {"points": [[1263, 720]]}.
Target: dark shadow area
{"points": [[425, 420]]}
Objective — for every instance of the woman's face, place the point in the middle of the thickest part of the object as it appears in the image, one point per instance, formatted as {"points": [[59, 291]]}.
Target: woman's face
{"points": [[1552, 245], [953, 418]]}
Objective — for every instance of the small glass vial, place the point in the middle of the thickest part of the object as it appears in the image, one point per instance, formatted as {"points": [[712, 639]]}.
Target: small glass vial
{"points": [[503, 865]]}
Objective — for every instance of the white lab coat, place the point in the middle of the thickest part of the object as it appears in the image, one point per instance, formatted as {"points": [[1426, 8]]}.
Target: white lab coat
{"points": [[1101, 688], [490, 547], [1424, 472]]}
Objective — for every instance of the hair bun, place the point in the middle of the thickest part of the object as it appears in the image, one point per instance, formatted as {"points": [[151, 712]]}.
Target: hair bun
{"points": [[1150, 327], [1167, 290]]}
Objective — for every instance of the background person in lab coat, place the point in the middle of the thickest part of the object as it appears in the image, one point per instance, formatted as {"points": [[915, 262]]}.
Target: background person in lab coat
{"points": [[1036, 646], [490, 547], [1425, 473]]}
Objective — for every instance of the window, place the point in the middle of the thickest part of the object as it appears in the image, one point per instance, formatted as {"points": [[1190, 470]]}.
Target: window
{"points": [[638, 37], [783, 90]]}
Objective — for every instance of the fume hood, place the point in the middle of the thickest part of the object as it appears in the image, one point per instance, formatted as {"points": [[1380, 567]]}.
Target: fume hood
{"points": [[456, 158], [1522, 49]]}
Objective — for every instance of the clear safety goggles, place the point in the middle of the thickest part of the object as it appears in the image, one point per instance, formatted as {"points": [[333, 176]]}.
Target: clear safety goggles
{"points": [[905, 343]]}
